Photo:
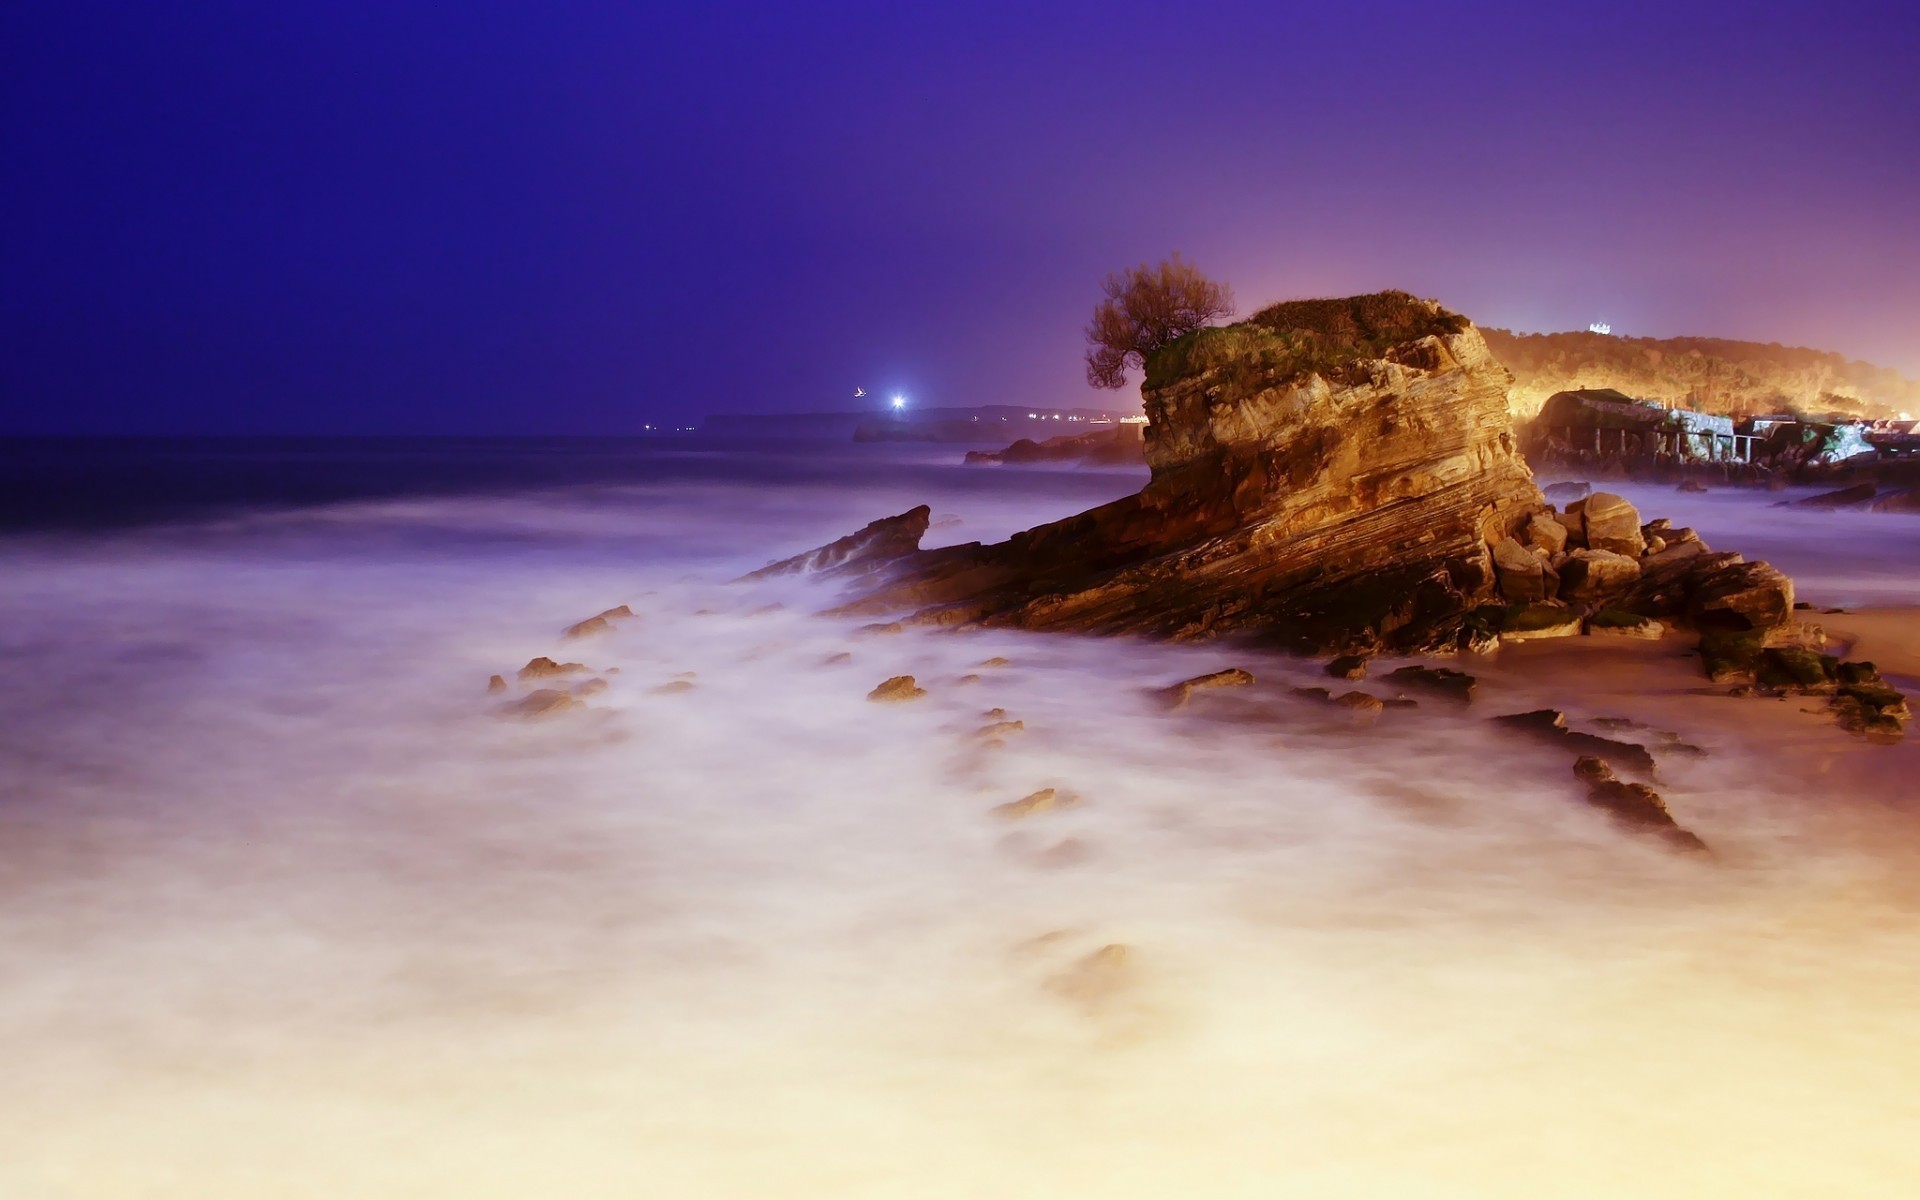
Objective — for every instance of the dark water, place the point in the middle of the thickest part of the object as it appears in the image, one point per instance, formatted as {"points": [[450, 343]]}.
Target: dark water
{"points": [[80, 483]]}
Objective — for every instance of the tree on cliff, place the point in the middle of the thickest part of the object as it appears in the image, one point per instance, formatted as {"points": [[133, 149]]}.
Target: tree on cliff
{"points": [[1147, 307]]}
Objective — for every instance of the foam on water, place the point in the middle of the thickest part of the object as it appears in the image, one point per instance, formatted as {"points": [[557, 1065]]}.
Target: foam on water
{"points": [[289, 910]]}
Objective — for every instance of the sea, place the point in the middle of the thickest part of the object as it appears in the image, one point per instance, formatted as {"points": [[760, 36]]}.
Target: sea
{"points": [[292, 905]]}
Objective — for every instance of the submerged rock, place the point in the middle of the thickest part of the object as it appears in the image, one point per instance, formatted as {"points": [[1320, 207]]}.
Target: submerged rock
{"points": [[897, 689], [1441, 681], [1632, 804], [546, 668], [1178, 694], [1612, 622], [880, 543], [1031, 804], [1549, 725], [1530, 622], [546, 702], [496, 683], [1348, 666]]}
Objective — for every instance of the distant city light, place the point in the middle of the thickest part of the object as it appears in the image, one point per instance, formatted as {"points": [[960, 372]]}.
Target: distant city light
{"points": [[1599, 327]]}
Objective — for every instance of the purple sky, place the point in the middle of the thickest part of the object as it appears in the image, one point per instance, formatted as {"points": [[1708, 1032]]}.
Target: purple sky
{"points": [[483, 218]]}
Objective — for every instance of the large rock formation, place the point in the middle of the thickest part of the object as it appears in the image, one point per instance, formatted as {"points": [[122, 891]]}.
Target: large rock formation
{"points": [[1332, 476], [1327, 474]]}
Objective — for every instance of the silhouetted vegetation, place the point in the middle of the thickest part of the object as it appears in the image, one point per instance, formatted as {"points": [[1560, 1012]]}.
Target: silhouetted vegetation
{"points": [[1299, 337], [1146, 308]]}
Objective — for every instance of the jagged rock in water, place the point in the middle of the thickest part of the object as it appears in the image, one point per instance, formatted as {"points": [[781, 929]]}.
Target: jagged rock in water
{"points": [[671, 688], [1177, 695], [1568, 493], [496, 683], [880, 543], [546, 702], [1632, 804], [1348, 666], [1549, 725], [896, 689], [1361, 703], [1032, 804], [596, 624], [1441, 681], [546, 668]]}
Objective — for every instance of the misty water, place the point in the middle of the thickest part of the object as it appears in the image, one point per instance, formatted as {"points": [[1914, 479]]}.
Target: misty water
{"points": [[288, 909]]}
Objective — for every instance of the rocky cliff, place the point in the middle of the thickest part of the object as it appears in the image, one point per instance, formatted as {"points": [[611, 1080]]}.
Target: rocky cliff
{"points": [[1713, 375]]}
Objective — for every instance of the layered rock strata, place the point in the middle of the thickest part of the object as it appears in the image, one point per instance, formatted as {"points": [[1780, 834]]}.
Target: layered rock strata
{"points": [[1330, 476]]}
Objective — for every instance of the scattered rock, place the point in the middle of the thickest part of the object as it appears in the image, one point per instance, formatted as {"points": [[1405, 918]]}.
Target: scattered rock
{"points": [[835, 660], [546, 668], [1441, 681], [1000, 729], [1566, 493], [1550, 725], [1348, 666], [964, 680], [671, 688], [546, 702], [1360, 703], [1632, 804], [1178, 695], [897, 689], [598, 624], [879, 629], [880, 543], [496, 683], [995, 661], [592, 687], [1031, 804], [1691, 485]]}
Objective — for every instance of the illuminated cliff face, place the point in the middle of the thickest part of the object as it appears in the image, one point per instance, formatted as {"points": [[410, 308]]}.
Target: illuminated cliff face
{"points": [[1707, 374]]}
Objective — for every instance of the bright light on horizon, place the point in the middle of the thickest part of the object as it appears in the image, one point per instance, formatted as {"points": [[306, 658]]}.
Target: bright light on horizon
{"points": [[899, 402]]}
